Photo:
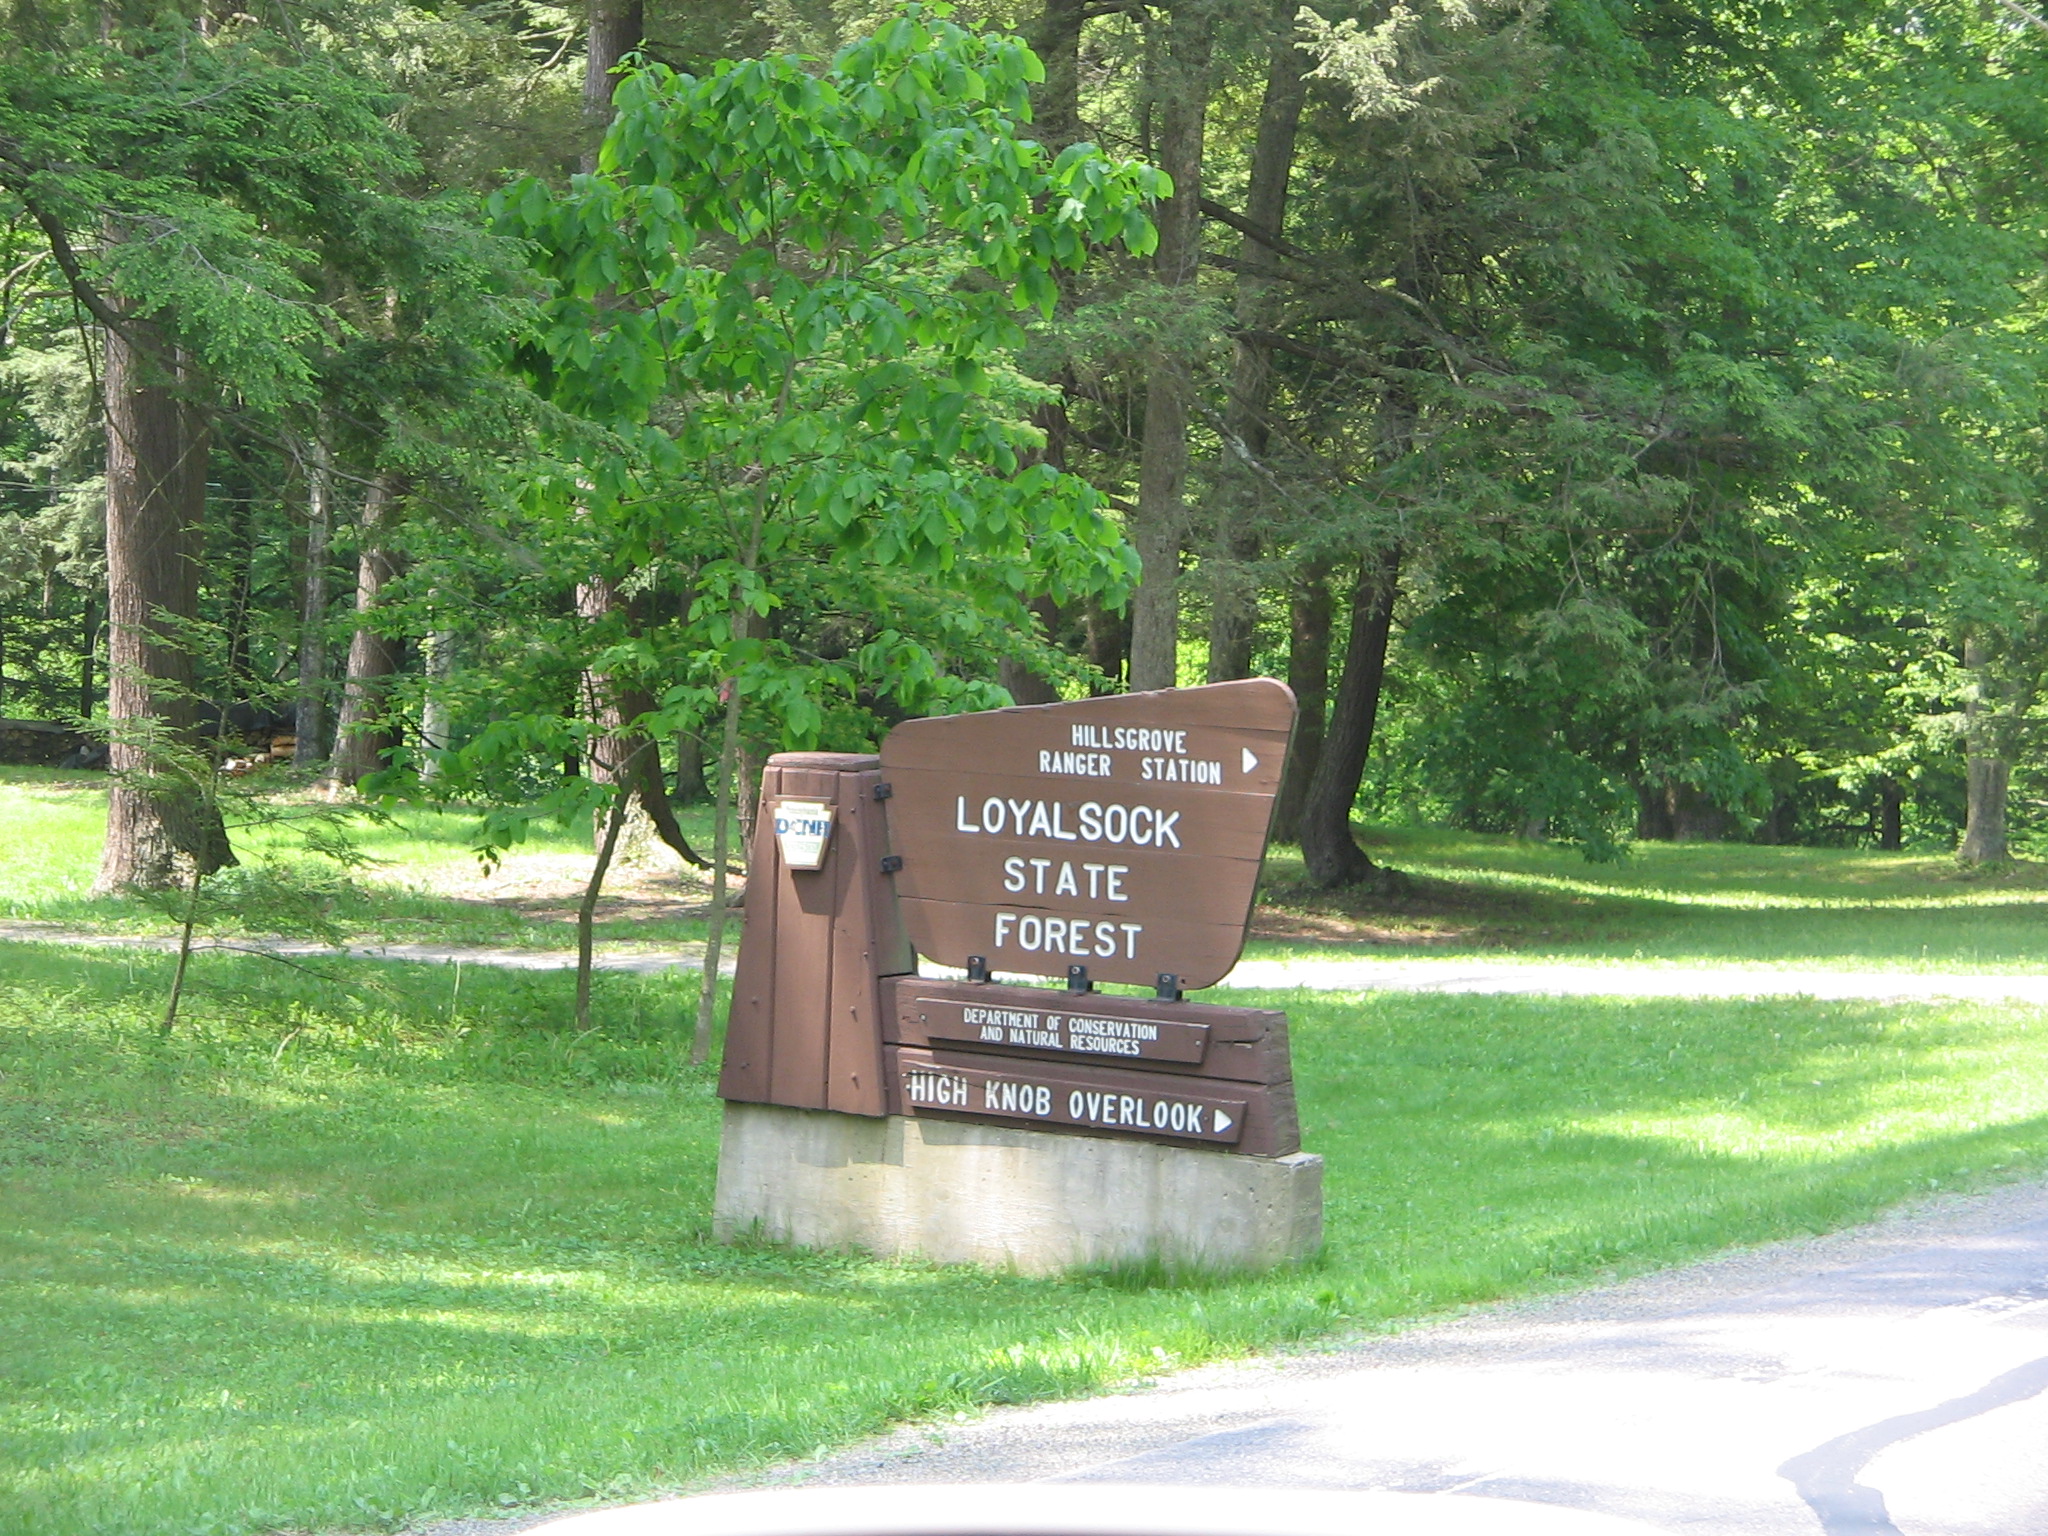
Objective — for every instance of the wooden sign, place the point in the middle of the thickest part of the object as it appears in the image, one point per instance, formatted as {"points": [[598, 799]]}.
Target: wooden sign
{"points": [[1246, 1045], [1058, 1025], [1053, 1040], [1044, 1094], [1122, 834]]}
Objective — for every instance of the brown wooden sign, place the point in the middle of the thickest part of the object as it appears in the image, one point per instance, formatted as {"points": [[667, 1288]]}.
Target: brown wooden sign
{"points": [[1052, 1039], [1123, 834], [1060, 1027], [1245, 1045], [1047, 1094]]}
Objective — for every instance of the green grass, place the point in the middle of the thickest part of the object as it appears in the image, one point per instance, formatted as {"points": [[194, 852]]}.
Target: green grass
{"points": [[55, 821], [1498, 897], [350, 1254], [1680, 903]]}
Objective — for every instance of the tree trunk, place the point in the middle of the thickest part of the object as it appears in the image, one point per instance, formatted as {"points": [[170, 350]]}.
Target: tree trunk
{"points": [[434, 713], [158, 819], [88, 647], [1308, 674], [1108, 641], [1233, 611], [752, 763], [692, 787], [586, 909], [1891, 802], [1180, 87], [1026, 686], [361, 737], [615, 30], [1056, 103], [309, 712], [241, 580], [622, 754], [1056, 123], [1695, 818], [616, 27], [1332, 855], [1989, 773], [1653, 813]]}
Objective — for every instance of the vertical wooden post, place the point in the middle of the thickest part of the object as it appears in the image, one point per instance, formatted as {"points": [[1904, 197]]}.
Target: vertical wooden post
{"points": [[807, 1005]]}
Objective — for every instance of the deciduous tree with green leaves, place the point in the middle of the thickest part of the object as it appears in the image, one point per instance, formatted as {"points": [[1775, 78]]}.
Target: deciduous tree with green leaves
{"points": [[776, 324]]}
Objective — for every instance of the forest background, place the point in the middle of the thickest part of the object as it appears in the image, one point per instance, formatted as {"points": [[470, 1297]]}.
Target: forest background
{"points": [[1615, 420]]}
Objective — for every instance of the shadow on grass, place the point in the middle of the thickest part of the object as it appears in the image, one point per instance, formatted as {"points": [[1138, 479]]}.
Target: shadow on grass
{"points": [[432, 1256], [1729, 903]]}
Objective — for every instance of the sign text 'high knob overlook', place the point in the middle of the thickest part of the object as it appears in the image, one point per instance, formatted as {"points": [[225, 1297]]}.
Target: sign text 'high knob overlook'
{"points": [[1121, 834]]}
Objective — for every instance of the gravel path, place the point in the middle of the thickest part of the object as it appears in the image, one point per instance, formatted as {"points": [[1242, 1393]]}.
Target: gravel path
{"points": [[1336, 974], [1621, 978]]}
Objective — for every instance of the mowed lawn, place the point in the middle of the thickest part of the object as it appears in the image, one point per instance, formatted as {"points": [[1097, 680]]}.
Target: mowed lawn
{"points": [[418, 878], [1731, 904], [1474, 895], [349, 1253]]}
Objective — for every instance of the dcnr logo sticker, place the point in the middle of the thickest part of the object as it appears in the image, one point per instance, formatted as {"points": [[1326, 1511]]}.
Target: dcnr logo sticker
{"points": [[803, 828]]}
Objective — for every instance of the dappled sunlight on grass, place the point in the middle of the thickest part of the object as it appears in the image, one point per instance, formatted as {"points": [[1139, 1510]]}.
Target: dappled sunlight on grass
{"points": [[420, 879], [1751, 893], [1676, 903], [438, 1258]]}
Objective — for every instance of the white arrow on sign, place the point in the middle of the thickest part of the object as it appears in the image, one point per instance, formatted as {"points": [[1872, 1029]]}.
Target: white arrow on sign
{"points": [[1251, 759], [1223, 1122]]}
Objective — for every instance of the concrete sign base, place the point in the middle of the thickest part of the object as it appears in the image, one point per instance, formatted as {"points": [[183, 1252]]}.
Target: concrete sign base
{"points": [[1038, 1202]]}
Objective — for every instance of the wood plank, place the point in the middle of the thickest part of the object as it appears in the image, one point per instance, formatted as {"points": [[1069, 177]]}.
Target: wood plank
{"points": [[1245, 1045], [1124, 948], [1055, 834], [1127, 740], [1099, 1101], [867, 943], [1075, 819], [808, 1007], [805, 902], [746, 1070]]}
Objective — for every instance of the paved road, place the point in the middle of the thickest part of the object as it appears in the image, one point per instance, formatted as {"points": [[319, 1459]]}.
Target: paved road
{"points": [[1888, 1382], [1336, 974]]}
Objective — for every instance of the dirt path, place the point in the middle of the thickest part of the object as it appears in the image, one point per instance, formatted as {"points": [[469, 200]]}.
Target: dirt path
{"points": [[1534, 977], [681, 957]]}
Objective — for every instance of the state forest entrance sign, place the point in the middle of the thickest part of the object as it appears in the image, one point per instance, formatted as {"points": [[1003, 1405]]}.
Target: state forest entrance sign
{"points": [[1122, 834], [1106, 841]]}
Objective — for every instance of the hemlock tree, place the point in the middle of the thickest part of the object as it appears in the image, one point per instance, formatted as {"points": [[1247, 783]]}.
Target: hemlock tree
{"points": [[185, 181], [777, 322]]}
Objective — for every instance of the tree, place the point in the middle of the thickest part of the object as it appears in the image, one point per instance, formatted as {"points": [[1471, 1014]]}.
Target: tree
{"points": [[1179, 87], [776, 324], [233, 152]]}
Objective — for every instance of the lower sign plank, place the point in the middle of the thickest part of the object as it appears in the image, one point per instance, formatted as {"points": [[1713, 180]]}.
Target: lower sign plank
{"points": [[1237, 1045], [1150, 1105], [1040, 1019]]}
